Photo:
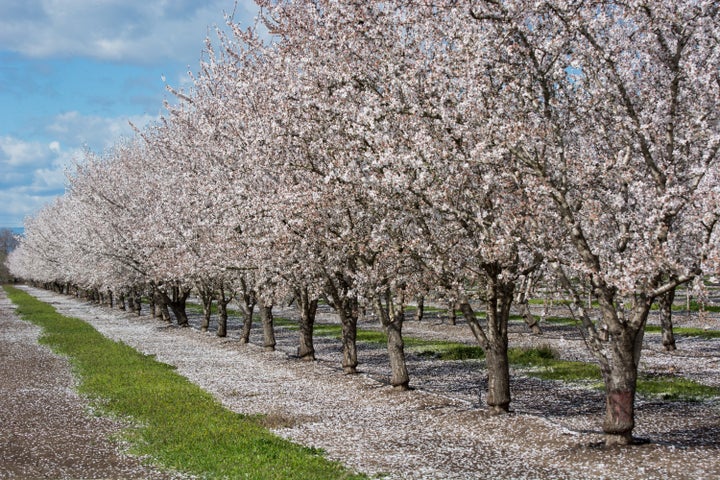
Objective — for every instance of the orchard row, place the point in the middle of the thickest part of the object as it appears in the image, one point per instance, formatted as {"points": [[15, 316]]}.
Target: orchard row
{"points": [[373, 152]]}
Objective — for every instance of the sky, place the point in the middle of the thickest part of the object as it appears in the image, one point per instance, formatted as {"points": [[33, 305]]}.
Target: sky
{"points": [[75, 73]]}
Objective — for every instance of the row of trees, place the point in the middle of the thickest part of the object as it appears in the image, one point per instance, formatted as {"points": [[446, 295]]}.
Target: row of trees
{"points": [[371, 152]]}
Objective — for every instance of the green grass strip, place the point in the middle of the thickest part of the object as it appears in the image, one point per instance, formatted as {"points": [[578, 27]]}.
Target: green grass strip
{"points": [[543, 363], [540, 362], [179, 425], [686, 331]]}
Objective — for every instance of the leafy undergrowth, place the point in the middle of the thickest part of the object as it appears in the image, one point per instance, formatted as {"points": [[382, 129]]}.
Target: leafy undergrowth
{"points": [[178, 424]]}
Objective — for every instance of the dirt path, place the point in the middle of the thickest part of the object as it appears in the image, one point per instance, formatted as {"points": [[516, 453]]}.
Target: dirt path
{"points": [[438, 430], [46, 428]]}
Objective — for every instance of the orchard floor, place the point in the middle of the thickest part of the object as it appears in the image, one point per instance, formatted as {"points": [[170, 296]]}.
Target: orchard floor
{"points": [[46, 429], [439, 430]]}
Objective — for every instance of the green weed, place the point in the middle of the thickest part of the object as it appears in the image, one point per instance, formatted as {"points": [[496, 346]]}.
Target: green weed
{"points": [[176, 423], [686, 331]]}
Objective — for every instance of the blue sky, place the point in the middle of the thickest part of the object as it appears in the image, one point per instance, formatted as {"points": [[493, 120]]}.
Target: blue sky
{"points": [[73, 73]]}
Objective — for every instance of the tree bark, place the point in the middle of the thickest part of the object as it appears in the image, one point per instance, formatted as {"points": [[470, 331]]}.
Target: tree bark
{"points": [[530, 319], [522, 301], [452, 317], [420, 312], [493, 339], [206, 297], [151, 299], [268, 329], [138, 301], [247, 305], [222, 303], [668, 337], [391, 317], [348, 309], [308, 309], [177, 304], [348, 313], [498, 394], [620, 373], [620, 386], [161, 301]]}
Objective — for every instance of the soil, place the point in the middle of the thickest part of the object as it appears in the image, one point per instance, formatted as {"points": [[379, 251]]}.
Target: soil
{"points": [[439, 429], [48, 430]]}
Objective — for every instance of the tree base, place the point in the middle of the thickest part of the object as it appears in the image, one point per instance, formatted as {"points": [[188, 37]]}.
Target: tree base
{"points": [[269, 349], [403, 387], [618, 439], [495, 410], [350, 370], [310, 357]]}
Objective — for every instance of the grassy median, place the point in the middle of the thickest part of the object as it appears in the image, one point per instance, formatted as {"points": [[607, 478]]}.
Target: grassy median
{"points": [[177, 424]]}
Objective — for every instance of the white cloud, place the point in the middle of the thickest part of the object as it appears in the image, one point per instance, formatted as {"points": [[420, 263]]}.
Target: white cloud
{"points": [[139, 31], [15, 153], [33, 166], [32, 176], [33, 172], [98, 133]]}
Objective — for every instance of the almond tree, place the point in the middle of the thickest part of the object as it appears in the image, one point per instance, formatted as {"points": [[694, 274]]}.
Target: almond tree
{"points": [[610, 115]]}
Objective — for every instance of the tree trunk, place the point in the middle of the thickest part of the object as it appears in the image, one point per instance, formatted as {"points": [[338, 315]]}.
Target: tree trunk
{"points": [[222, 315], [348, 309], [178, 304], [268, 329], [620, 374], [138, 301], [222, 302], [494, 339], [162, 302], [668, 338], [308, 309], [348, 313], [521, 300], [620, 386], [121, 301], [391, 318], [206, 297], [247, 306], [151, 300], [247, 323], [452, 318], [420, 312], [222, 319], [530, 319], [498, 395]]}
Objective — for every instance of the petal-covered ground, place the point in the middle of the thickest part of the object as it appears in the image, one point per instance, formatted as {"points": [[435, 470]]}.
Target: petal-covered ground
{"points": [[439, 429]]}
